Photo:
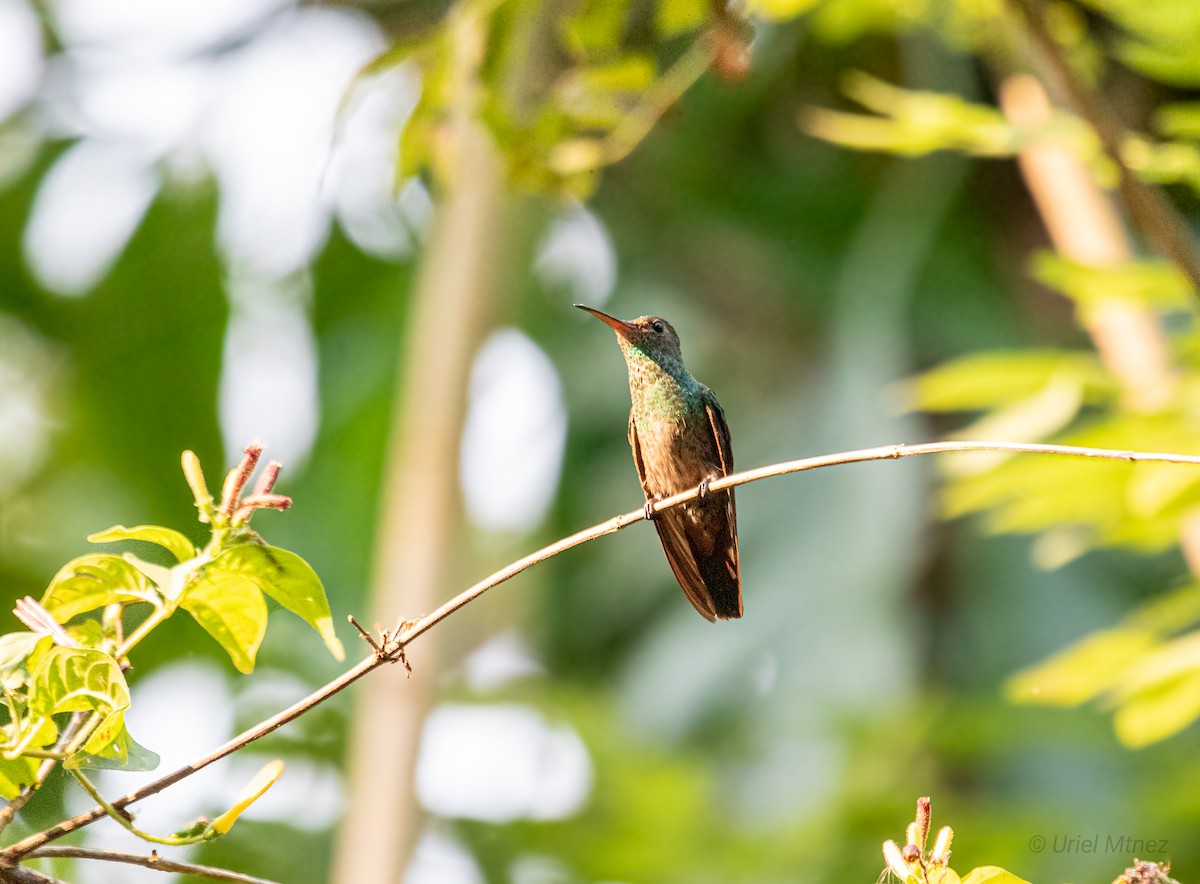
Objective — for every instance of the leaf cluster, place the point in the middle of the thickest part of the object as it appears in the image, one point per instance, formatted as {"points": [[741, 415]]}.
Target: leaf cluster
{"points": [[65, 694], [562, 95]]}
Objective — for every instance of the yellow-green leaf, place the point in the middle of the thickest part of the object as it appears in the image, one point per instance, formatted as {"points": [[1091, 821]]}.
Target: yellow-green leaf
{"points": [[122, 753], [632, 73], [1160, 713], [597, 28], [779, 10], [942, 875], [1155, 283], [1083, 671], [1155, 486], [1169, 611], [1174, 659], [15, 774], [987, 380], [230, 608], [992, 875], [577, 155], [286, 578], [1181, 120], [80, 680], [169, 539], [15, 647], [254, 790], [680, 16], [93, 581]]}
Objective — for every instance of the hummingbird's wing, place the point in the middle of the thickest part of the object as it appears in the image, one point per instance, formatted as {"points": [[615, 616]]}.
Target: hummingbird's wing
{"points": [[700, 539], [724, 572], [674, 540]]}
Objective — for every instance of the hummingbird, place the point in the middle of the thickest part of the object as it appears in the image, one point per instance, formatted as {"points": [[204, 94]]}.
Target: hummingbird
{"points": [[680, 440]]}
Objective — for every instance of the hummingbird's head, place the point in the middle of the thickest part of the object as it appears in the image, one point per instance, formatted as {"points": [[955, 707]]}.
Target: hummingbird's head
{"points": [[649, 337]]}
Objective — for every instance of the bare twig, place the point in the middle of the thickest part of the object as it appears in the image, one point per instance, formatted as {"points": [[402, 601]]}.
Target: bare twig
{"points": [[152, 861], [1149, 210], [366, 636], [396, 641]]}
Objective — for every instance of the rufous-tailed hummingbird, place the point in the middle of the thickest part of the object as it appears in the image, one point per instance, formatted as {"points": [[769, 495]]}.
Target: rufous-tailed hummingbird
{"points": [[680, 440]]}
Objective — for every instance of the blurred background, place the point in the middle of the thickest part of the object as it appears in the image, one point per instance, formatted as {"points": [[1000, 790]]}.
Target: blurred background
{"points": [[354, 232]]}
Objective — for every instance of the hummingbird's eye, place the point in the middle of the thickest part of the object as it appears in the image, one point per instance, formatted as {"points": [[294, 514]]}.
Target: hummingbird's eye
{"points": [[658, 327]]}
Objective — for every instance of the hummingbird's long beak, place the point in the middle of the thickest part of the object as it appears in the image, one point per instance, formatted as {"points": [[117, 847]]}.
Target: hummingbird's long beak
{"points": [[624, 329]]}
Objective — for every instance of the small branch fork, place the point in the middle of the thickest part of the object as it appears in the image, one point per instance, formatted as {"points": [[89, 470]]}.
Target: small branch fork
{"points": [[389, 646]]}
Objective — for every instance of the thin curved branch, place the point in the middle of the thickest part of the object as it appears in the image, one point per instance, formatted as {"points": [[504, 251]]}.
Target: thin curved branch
{"points": [[152, 861], [391, 650]]}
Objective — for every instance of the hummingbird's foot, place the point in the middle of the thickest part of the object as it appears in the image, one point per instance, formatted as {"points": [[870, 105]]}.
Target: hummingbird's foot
{"points": [[702, 489], [651, 515]]}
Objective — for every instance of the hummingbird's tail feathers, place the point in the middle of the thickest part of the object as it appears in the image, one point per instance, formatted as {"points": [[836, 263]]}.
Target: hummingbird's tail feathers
{"points": [[700, 542]]}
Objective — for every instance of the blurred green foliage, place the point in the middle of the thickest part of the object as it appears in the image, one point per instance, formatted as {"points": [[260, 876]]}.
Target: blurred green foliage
{"points": [[834, 299]]}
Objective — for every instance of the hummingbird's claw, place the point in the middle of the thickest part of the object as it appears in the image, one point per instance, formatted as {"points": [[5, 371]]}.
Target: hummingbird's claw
{"points": [[651, 515], [702, 490]]}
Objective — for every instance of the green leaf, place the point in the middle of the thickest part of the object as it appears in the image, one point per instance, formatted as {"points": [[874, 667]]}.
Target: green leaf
{"points": [[15, 774], [231, 609], [942, 875], [1083, 671], [255, 789], [598, 28], [1175, 659], [15, 647], [676, 17], [89, 633], [779, 10], [286, 578], [1159, 713], [987, 380], [992, 875], [632, 73], [177, 544], [78, 680], [1155, 283], [169, 581], [1168, 612], [395, 55], [1175, 63], [415, 150], [1181, 120], [93, 581], [913, 123], [106, 733], [123, 753], [33, 731]]}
